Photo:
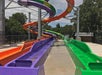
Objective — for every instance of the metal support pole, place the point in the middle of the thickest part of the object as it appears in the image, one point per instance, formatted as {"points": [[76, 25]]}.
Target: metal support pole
{"points": [[77, 34], [39, 23], [8, 4], [2, 21], [29, 14]]}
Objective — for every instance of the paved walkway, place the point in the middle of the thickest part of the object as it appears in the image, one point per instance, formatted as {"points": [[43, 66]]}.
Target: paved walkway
{"points": [[59, 61], [96, 48]]}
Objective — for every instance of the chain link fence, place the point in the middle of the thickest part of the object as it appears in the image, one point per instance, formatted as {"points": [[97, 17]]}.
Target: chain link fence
{"points": [[17, 38], [97, 37]]}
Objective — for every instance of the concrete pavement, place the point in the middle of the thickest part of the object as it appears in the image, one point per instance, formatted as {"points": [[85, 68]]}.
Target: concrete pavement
{"points": [[59, 61], [96, 48]]}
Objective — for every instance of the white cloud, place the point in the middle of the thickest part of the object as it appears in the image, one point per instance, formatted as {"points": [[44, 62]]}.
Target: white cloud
{"points": [[62, 22], [10, 10], [61, 4], [78, 2], [58, 4]]}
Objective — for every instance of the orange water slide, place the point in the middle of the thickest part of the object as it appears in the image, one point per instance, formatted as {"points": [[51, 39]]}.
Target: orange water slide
{"points": [[9, 55], [13, 53], [70, 4]]}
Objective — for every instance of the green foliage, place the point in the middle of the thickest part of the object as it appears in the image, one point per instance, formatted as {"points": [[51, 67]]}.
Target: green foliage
{"points": [[20, 17], [58, 26], [13, 26], [65, 30], [46, 26], [91, 16]]}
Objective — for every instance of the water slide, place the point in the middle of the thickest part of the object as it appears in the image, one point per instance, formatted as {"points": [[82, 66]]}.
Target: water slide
{"points": [[31, 61], [43, 4], [70, 4], [86, 62]]}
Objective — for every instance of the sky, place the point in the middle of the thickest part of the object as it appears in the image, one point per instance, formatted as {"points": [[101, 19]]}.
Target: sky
{"points": [[60, 6]]}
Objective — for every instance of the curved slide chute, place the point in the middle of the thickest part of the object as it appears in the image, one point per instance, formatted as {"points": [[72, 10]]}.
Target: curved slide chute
{"points": [[56, 33], [39, 3], [43, 4]]}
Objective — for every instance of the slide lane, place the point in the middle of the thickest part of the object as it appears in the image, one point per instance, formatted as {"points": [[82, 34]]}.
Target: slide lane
{"points": [[70, 4], [7, 56], [86, 62], [30, 63], [43, 4]]}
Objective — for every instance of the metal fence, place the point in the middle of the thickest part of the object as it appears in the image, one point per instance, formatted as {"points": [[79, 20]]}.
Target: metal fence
{"points": [[17, 38], [98, 37]]}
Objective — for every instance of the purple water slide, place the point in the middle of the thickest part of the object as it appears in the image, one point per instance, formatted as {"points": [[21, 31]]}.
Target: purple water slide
{"points": [[31, 63], [39, 5]]}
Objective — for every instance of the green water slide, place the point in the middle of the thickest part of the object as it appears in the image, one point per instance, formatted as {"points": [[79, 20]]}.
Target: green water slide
{"points": [[86, 62], [56, 33]]}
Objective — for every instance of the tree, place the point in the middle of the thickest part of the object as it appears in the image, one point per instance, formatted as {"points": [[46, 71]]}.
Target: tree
{"points": [[65, 30], [58, 26], [14, 24], [20, 17], [91, 16], [46, 26], [14, 27]]}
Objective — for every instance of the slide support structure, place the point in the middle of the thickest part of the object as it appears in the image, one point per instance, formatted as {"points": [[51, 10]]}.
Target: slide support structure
{"points": [[39, 24]]}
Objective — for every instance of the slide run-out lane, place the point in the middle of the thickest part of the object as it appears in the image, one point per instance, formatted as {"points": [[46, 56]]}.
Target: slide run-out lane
{"points": [[59, 61]]}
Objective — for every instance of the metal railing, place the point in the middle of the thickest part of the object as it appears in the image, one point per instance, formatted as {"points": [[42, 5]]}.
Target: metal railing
{"points": [[97, 37], [17, 38]]}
